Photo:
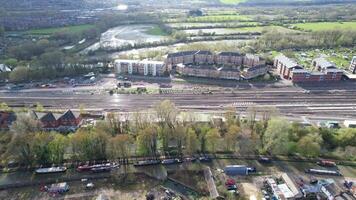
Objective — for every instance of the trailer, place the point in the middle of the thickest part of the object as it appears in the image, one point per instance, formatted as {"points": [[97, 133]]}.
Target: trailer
{"points": [[234, 170], [323, 172]]}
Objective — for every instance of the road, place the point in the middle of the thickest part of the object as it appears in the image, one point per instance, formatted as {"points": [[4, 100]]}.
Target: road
{"points": [[290, 101]]}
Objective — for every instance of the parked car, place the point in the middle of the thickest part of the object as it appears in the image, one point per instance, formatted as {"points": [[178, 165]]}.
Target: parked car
{"points": [[204, 159], [263, 159]]}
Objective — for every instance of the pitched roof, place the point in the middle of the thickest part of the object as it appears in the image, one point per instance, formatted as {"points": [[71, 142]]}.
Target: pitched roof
{"points": [[289, 63], [47, 117], [68, 115], [323, 63]]}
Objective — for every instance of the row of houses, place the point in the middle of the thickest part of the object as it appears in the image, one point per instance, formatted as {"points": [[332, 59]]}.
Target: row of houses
{"points": [[141, 67], [233, 59], [49, 121], [291, 70]]}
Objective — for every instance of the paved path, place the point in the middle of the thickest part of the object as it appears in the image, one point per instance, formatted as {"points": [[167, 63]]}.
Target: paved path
{"points": [[211, 183]]}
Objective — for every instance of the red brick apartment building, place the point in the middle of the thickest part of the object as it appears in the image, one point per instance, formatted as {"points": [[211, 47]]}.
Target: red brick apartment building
{"points": [[291, 70], [225, 65]]}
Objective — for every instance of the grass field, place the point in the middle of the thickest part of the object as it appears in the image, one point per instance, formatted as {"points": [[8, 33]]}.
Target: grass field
{"points": [[50, 31], [156, 30], [219, 18], [321, 26]]}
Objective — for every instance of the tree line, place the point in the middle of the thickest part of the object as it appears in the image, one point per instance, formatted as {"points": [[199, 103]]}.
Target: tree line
{"points": [[170, 132]]}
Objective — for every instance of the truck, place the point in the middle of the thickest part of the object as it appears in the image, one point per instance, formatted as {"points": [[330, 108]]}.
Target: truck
{"points": [[234, 170]]}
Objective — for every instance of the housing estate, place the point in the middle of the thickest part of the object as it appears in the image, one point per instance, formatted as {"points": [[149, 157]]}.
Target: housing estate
{"points": [[224, 65], [291, 70], [138, 67]]}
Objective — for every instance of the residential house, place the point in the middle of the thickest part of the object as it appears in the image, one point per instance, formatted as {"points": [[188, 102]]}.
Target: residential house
{"points": [[63, 122]]}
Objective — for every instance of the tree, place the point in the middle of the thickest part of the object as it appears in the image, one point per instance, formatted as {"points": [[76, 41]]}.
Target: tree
{"points": [[19, 74], [252, 114], [57, 148], [51, 59], [166, 113], [24, 124], [231, 137], [276, 136], [21, 148], [119, 146], [41, 148], [346, 137], [147, 141], [230, 116], [212, 138], [4, 107], [11, 63], [309, 145], [191, 142]]}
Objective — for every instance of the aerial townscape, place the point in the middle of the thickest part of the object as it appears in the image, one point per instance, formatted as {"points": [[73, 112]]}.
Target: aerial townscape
{"points": [[178, 99]]}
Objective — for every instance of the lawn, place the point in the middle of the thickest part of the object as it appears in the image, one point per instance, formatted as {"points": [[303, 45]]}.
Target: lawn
{"points": [[156, 30], [232, 1], [321, 26], [219, 18], [50, 31]]}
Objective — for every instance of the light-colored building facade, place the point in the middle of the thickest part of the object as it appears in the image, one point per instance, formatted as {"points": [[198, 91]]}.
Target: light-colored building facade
{"points": [[144, 67]]}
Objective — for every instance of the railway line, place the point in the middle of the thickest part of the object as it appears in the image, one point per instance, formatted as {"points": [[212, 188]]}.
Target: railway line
{"points": [[288, 101]]}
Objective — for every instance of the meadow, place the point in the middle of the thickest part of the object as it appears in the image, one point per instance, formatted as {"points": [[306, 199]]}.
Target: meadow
{"points": [[219, 18], [321, 26], [50, 31]]}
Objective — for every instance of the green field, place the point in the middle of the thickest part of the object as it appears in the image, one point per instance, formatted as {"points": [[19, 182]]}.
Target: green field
{"points": [[219, 18], [50, 31], [263, 28], [232, 1], [321, 26], [156, 30]]}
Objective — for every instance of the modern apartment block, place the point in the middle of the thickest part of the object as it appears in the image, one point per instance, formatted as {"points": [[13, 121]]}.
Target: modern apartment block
{"points": [[144, 67], [291, 70]]}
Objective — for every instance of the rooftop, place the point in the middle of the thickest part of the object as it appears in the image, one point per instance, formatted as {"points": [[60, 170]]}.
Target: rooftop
{"points": [[287, 61], [323, 63]]}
